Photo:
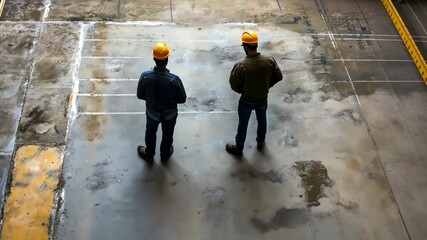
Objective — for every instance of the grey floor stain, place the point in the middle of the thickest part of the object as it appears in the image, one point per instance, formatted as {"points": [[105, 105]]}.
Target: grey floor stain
{"points": [[315, 179], [249, 173], [283, 218], [349, 114], [101, 177], [290, 141], [215, 212]]}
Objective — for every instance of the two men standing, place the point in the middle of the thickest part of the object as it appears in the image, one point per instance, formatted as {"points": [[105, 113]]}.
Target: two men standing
{"points": [[252, 77]]}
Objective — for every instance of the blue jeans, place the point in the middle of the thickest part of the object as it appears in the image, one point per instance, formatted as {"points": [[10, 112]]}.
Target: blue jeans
{"points": [[168, 127], [245, 110]]}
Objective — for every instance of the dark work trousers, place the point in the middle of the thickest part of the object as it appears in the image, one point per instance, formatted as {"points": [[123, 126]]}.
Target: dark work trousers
{"points": [[245, 110], [168, 127]]}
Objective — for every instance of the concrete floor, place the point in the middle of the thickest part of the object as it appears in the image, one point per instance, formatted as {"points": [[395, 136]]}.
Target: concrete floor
{"points": [[345, 156]]}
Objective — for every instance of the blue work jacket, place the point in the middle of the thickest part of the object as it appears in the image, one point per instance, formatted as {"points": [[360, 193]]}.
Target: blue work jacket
{"points": [[162, 92]]}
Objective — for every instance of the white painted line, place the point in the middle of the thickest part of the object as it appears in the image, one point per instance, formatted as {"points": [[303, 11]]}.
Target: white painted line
{"points": [[106, 94], [5, 153], [112, 57], [108, 79], [416, 17], [142, 113], [375, 39], [342, 59], [151, 40], [139, 23], [381, 81], [352, 85], [368, 60], [75, 90], [360, 35], [47, 4], [240, 24]]}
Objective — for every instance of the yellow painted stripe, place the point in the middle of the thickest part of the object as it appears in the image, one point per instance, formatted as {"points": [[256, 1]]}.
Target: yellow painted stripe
{"points": [[406, 38], [28, 208]]}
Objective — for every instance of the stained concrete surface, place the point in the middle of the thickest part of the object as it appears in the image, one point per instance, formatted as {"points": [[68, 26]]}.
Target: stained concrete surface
{"points": [[345, 152]]}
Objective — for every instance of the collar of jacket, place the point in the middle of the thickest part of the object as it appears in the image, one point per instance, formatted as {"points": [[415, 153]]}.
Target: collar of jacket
{"points": [[253, 55], [160, 69]]}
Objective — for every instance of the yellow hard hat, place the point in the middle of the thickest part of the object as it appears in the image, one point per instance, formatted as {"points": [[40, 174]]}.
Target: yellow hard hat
{"points": [[249, 37], [160, 51]]}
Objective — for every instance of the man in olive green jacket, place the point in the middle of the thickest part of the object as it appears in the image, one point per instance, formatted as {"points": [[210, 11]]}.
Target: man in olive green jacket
{"points": [[252, 77]]}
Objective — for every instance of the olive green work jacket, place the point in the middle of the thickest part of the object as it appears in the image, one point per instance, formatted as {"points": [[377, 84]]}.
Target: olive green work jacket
{"points": [[254, 75]]}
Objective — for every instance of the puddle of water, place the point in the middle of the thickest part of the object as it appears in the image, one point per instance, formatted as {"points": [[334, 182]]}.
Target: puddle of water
{"points": [[315, 179]]}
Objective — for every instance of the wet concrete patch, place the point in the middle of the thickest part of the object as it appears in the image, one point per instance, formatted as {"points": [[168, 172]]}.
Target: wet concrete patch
{"points": [[102, 176], [349, 114], [80, 10], [296, 95], [314, 178], [246, 174], [54, 66], [131, 10], [283, 218], [93, 124], [207, 12], [23, 10], [9, 122], [336, 90], [44, 106]]}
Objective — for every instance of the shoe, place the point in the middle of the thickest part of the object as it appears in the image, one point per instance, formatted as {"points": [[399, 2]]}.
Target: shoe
{"points": [[141, 153], [164, 159], [260, 146], [230, 148]]}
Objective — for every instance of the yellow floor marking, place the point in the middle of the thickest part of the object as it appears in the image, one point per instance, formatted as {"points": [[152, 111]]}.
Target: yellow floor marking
{"points": [[406, 38], [36, 175]]}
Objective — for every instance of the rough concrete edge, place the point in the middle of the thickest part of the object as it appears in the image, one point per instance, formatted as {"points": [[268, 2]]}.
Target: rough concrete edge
{"points": [[58, 209], [3, 186], [9, 178]]}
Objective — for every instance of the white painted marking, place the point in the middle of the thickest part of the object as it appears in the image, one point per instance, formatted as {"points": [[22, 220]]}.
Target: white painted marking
{"points": [[416, 17], [375, 39], [46, 11], [352, 85], [240, 24], [382, 81], [112, 57], [342, 59], [76, 82], [109, 79], [151, 40], [142, 113], [368, 60], [106, 94]]}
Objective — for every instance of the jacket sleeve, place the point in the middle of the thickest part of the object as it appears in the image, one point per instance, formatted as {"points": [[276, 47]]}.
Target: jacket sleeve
{"points": [[140, 93], [277, 74], [235, 80], [181, 96]]}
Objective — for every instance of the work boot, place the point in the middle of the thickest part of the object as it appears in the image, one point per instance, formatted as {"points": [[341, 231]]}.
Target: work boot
{"points": [[141, 153], [260, 146], [230, 148], [164, 159]]}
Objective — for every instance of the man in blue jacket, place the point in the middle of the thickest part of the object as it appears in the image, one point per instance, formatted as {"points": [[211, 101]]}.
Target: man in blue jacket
{"points": [[162, 92]]}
